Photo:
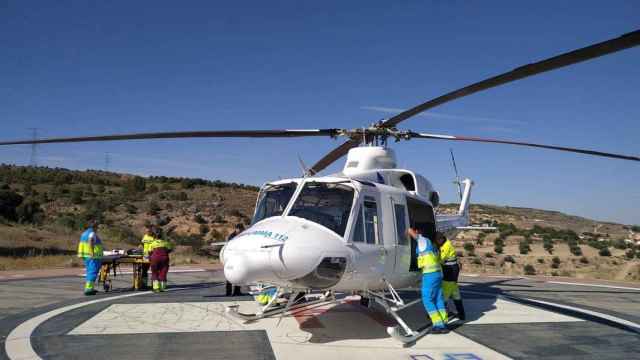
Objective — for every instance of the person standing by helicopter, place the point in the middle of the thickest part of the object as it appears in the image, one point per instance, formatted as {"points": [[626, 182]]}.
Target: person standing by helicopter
{"points": [[90, 250], [159, 258], [432, 299], [450, 272], [146, 241]]}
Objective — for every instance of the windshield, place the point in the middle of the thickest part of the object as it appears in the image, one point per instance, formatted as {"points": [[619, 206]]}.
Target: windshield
{"points": [[326, 204], [273, 200]]}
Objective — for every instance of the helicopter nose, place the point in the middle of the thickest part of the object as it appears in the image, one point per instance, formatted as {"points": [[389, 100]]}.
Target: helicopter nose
{"points": [[236, 270]]}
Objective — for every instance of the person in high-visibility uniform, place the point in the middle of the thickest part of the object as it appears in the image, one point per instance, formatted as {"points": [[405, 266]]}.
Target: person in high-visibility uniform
{"points": [[90, 250], [159, 258], [450, 273], [146, 242], [432, 299], [265, 296]]}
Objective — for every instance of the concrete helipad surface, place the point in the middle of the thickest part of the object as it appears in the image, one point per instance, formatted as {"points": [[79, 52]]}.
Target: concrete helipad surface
{"points": [[507, 318]]}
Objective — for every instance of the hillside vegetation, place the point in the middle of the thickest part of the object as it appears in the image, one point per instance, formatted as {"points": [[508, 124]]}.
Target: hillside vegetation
{"points": [[43, 210]]}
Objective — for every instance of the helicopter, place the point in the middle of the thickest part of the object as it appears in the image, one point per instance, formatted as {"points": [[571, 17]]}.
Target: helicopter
{"points": [[346, 232]]}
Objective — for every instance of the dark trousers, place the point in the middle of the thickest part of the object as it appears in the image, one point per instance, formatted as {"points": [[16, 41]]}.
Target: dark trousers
{"points": [[232, 290], [159, 264]]}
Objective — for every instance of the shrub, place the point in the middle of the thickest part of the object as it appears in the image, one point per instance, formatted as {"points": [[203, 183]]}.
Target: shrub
{"points": [[489, 255], [204, 229], [136, 185], [30, 212], [584, 260], [575, 250], [540, 261], [604, 252], [555, 265], [194, 241], [630, 254], [476, 261], [509, 259], [620, 244], [524, 247], [131, 209], [199, 219], [498, 249], [529, 270], [76, 197], [556, 260], [554, 273], [153, 208], [9, 201], [469, 247]]}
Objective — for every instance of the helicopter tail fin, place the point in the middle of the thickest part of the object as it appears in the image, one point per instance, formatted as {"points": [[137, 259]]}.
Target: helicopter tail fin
{"points": [[465, 201]]}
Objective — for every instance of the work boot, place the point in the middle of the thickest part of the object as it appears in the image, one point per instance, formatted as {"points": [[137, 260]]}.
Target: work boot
{"points": [[88, 288], [163, 286], [156, 286], [460, 309], [440, 330]]}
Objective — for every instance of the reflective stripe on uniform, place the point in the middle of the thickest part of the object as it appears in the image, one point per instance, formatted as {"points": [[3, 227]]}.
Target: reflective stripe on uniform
{"points": [[428, 259], [84, 246]]}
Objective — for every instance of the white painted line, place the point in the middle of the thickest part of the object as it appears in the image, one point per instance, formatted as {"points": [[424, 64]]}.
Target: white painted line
{"points": [[18, 342], [18, 276], [594, 285], [615, 319], [612, 318]]}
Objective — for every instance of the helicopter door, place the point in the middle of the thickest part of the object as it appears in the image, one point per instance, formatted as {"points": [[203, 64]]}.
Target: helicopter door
{"points": [[366, 236], [403, 247]]}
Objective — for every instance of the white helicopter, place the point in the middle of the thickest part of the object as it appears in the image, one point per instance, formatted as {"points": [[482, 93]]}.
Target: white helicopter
{"points": [[346, 232]]}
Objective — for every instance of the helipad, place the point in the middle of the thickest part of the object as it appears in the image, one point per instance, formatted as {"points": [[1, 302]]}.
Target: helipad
{"points": [[190, 322]]}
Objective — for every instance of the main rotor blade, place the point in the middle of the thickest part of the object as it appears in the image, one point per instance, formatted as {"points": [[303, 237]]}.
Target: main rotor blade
{"points": [[586, 53], [183, 134], [334, 155], [510, 142]]}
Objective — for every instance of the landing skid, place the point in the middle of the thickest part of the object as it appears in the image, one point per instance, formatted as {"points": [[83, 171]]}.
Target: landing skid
{"points": [[276, 307], [392, 303]]}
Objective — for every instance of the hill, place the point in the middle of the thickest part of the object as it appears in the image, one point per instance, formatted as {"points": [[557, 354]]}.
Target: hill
{"points": [[42, 210]]}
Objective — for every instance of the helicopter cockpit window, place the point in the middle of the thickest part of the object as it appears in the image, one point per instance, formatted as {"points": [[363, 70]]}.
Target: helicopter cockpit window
{"points": [[326, 204], [273, 200]]}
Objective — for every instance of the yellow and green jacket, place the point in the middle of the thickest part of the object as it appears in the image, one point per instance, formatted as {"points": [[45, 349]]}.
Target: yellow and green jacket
{"points": [[84, 246], [146, 241], [160, 243], [428, 258], [448, 254]]}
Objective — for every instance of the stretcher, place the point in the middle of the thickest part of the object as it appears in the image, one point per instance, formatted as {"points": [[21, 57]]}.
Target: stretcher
{"points": [[110, 267]]}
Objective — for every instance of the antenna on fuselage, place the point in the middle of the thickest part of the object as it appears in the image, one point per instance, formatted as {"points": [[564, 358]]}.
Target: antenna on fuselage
{"points": [[455, 169]]}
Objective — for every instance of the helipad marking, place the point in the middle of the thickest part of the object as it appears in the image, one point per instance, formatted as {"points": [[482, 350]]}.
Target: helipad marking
{"points": [[18, 342], [345, 329], [595, 285], [634, 326]]}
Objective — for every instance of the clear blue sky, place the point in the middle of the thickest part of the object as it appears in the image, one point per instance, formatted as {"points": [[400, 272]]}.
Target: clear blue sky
{"points": [[83, 68]]}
